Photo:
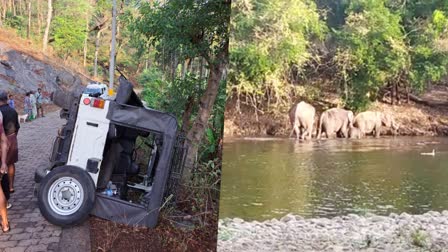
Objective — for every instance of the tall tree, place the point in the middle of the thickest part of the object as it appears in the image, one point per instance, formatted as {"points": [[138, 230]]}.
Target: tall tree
{"points": [[47, 27], [192, 28], [28, 29]]}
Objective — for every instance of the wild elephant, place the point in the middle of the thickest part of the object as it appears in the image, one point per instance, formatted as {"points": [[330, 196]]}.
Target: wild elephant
{"points": [[372, 122], [301, 117], [354, 133], [335, 120]]}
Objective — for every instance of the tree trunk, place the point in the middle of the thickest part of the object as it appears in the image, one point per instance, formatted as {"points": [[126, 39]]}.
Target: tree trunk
{"points": [[39, 17], [392, 94], [174, 63], [112, 46], [202, 69], [97, 47], [14, 13], [28, 29], [2, 12], [196, 133], [84, 63], [22, 8], [189, 105], [397, 94], [185, 67], [47, 28], [345, 84], [407, 93]]}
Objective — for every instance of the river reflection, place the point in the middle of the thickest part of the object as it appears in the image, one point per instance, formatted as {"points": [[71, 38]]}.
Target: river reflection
{"points": [[270, 178]]}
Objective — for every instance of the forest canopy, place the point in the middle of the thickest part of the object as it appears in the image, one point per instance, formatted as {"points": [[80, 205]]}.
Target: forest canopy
{"points": [[285, 50]]}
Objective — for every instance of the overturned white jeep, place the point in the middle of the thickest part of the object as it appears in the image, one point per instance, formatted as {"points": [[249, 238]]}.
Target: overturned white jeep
{"points": [[114, 158]]}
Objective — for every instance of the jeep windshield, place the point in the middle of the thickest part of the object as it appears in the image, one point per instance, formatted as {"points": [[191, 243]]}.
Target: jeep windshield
{"points": [[92, 91]]}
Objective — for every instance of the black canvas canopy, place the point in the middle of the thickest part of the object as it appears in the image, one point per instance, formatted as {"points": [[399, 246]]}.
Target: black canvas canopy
{"points": [[128, 111]]}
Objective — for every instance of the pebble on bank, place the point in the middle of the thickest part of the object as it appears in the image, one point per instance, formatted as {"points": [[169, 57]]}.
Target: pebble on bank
{"points": [[404, 232]]}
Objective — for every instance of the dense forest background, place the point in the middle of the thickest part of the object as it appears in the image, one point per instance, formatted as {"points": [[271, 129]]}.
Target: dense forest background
{"points": [[175, 51], [361, 50]]}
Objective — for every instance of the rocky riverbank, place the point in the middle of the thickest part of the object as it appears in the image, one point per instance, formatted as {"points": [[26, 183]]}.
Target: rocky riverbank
{"points": [[404, 232]]}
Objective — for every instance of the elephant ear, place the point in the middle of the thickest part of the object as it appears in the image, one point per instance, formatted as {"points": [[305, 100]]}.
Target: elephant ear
{"points": [[386, 119], [351, 117]]}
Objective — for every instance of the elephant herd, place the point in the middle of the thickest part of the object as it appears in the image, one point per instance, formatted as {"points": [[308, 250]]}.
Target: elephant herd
{"points": [[338, 122]]}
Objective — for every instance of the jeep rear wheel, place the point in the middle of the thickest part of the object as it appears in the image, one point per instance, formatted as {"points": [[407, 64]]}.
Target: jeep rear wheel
{"points": [[66, 196]]}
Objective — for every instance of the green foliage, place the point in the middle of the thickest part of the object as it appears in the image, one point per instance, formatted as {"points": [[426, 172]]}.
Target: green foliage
{"points": [[373, 38], [69, 35], [368, 45], [430, 49], [169, 96], [213, 135], [419, 238], [173, 96], [16, 22], [205, 184], [179, 31], [154, 87], [191, 28], [268, 38], [69, 27]]}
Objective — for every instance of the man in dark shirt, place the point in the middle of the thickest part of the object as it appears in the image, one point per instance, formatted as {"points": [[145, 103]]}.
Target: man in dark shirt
{"points": [[11, 127]]}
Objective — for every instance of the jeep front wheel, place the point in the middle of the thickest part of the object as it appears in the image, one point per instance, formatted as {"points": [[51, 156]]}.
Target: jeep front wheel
{"points": [[66, 196]]}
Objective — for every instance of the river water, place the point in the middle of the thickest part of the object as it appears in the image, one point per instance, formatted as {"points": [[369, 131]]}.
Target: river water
{"points": [[268, 178]]}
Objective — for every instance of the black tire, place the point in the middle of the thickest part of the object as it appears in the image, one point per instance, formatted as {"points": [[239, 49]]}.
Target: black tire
{"points": [[83, 199], [40, 173]]}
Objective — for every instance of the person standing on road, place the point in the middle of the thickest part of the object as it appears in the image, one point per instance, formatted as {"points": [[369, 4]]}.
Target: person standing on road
{"points": [[11, 102], [33, 104], [27, 107], [11, 128], [3, 171], [40, 102]]}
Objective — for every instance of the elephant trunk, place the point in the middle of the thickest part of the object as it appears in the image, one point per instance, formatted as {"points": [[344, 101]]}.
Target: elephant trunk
{"points": [[351, 118], [395, 127], [319, 127]]}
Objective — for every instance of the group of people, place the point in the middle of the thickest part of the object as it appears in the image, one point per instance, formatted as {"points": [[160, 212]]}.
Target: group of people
{"points": [[9, 128], [33, 104]]}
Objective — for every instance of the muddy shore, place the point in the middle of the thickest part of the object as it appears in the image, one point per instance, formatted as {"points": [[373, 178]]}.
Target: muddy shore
{"points": [[414, 119]]}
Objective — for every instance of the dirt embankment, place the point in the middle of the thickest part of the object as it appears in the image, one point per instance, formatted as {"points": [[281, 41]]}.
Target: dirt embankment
{"points": [[415, 119]]}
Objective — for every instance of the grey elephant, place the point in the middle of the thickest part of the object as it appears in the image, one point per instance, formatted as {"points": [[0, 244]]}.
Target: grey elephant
{"points": [[354, 133], [334, 121], [301, 117], [372, 122]]}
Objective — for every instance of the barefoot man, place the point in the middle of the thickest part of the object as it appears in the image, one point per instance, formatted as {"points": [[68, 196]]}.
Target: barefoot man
{"points": [[11, 127], [4, 223]]}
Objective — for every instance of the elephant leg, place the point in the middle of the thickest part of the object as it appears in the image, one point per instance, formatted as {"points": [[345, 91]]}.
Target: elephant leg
{"points": [[377, 131], [344, 131], [310, 130], [304, 133], [297, 131]]}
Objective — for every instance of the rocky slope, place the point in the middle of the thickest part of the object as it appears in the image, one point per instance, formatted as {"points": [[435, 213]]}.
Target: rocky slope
{"points": [[21, 72]]}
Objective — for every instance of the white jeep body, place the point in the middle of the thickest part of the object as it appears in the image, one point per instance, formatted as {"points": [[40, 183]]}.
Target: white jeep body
{"points": [[89, 136], [109, 142]]}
